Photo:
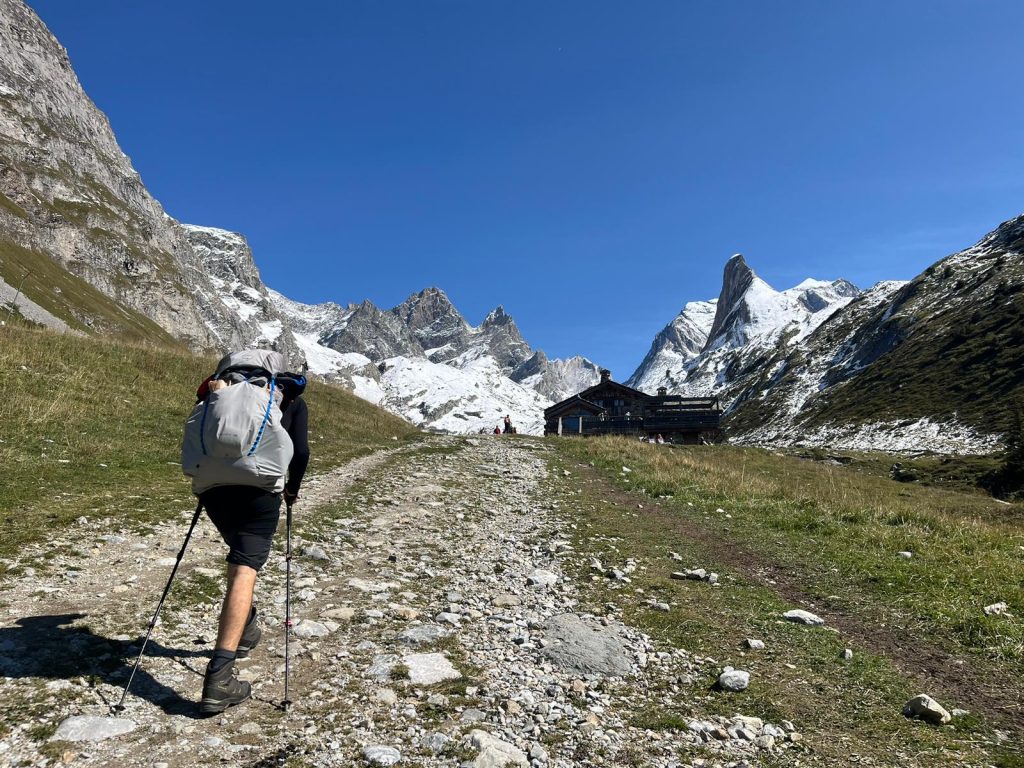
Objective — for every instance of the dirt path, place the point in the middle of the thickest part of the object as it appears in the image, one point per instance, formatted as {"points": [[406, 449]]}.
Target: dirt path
{"points": [[435, 626]]}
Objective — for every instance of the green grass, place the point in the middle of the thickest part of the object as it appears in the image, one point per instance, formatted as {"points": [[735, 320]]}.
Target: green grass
{"points": [[843, 530], [792, 529], [73, 299], [92, 427], [12, 207]]}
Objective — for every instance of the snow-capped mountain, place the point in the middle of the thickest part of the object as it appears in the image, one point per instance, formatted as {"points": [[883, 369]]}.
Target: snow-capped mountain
{"points": [[557, 379], [423, 361], [930, 364], [252, 319], [720, 347], [675, 345]]}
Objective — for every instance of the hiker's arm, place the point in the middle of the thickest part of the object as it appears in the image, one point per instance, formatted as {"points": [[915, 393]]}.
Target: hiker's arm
{"points": [[298, 431]]}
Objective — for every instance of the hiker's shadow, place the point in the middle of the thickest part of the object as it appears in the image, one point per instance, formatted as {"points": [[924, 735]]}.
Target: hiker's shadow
{"points": [[58, 648]]}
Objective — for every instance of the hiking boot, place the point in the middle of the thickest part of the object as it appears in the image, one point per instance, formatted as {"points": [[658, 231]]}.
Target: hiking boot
{"points": [[250, 637], [221, 689]]}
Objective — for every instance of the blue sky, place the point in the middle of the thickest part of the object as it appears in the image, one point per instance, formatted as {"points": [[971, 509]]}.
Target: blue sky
{"points": [[590, 165]]}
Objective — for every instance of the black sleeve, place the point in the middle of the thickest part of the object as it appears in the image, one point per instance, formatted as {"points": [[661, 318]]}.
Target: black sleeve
{"points": [[296, 421]]}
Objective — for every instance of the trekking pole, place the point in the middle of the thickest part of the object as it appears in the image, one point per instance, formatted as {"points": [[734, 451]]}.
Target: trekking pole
{"points": [[287, 600], [119, 707]]}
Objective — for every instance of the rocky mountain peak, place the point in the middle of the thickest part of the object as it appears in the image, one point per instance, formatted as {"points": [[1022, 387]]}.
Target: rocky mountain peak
{"points": [[497, 316], [736, 280], [435, 322]]}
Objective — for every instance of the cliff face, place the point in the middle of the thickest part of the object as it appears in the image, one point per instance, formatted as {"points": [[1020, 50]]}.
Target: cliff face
{"points": [[69, 194]]}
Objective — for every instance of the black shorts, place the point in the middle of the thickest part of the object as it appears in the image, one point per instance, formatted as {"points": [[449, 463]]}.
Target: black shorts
{"points": [[246, 518]]}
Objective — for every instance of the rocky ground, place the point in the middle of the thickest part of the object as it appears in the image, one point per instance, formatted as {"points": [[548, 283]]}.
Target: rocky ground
{"points": [[438, 623]]}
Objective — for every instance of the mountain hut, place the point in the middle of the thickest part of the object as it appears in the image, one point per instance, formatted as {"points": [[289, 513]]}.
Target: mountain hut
{"points": [[610, 408]]}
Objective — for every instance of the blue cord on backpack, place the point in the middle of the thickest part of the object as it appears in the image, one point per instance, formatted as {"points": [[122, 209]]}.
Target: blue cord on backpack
{"points": [[266, 417], [202, 426]]}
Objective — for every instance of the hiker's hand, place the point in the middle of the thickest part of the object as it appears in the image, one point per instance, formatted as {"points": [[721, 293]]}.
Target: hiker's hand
{"points": [[290, 498]]}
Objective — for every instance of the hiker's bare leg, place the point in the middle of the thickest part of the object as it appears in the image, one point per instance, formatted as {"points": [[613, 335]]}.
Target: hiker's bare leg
{"points": [[237, 602]]}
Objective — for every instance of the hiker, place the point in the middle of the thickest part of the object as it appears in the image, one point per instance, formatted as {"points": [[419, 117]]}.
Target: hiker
{"points": [[497, 430], [508, 424], [246, 516]]}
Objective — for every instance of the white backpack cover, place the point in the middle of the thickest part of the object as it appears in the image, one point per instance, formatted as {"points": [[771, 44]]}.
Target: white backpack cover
{"points": [[234, 435]]}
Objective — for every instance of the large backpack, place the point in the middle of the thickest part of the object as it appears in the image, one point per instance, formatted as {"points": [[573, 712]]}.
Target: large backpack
{"points": [[234, 434]]}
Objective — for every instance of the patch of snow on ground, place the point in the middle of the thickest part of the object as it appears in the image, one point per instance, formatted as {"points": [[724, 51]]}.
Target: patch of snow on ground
{"points": [[325, 361], [368, 389], [270, 330], [923, 435]]}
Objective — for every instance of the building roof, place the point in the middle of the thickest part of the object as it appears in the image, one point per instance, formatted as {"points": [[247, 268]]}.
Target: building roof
{"points": [[576, 401]]}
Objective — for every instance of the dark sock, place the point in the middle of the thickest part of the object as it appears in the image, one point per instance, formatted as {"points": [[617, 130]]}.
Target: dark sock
{"points": [[221, 659], [252, 616]]}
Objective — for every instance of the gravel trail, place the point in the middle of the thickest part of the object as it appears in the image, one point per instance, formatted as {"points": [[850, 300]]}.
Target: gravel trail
{"points": [[437, 623]]}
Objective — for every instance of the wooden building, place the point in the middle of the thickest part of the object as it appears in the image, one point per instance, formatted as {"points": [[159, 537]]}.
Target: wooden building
{"points": [[610, 408]]}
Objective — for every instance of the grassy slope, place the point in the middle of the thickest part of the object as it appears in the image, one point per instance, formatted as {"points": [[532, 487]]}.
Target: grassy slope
{"points": [[794, 533], [72, 299], [93, 427], [960, 354]]}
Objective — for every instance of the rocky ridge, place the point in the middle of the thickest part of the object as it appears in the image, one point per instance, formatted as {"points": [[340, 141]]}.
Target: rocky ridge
{"points": [[68, 193], [825, 364]]}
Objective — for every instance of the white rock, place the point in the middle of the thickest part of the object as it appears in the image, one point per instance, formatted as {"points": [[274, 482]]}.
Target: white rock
{"points": [[495, 753], [997, 609], [308, 628], [430, 668], [86, 728], [542, 578], [734, 680], [755, 645], [379, 754], [801, 616]]}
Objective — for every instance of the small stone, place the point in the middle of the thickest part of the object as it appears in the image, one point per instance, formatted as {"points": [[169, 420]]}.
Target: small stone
{"points": [[506, 601], [801, 616], [213, 741], [315, 552], [86, 728], [997, 609], [905, 555], [344, 613], [542, 578], [422, 634], [436, 742], [430, 668], [495, 753], [385, 696], [404, 612], [472, 715], [310, 629], [755, 645], [924, 707], [733, 680], [847, 654], [379, 754]]}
